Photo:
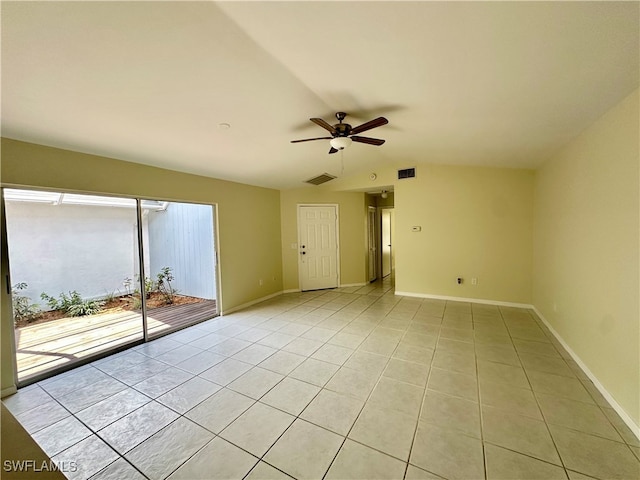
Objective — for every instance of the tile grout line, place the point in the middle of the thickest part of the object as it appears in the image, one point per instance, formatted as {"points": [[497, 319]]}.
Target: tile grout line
{"points": [[298, 416], [481, 416], [424, 396], [553, 341], [623, 441], [535, 397], [120, 456], [216, 435], [346, 436]]}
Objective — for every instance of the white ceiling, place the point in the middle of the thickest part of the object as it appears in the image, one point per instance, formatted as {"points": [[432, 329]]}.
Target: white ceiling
{"points": [[474, 83]]}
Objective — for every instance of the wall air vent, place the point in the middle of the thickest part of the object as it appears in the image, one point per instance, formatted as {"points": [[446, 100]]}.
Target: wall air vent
{"points": [[320, 179], [406, 173]]}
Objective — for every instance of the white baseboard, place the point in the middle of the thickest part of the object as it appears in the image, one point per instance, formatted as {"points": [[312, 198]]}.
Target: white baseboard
{"points": [[248, 304], [463, 299], [8, 391], [292, 290], [608, 397]]}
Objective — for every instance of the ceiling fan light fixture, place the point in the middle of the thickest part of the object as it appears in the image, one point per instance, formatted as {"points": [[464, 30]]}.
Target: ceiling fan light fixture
{"points": [[340, 143], [342, 134]]}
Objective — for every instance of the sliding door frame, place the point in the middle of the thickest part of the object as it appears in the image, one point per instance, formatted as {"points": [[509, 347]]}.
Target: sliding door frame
{"points": [[142, 276], [6, 271], [6, 276]]}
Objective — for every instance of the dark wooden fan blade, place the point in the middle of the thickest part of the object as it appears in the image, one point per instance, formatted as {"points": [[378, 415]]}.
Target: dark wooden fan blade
{"points": [[311, 139], [323, 124], [376, 122], [333, 150], [369, 140]]}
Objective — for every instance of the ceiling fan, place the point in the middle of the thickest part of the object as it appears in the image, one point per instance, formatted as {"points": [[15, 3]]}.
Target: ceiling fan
{"points": [[342, 134]]}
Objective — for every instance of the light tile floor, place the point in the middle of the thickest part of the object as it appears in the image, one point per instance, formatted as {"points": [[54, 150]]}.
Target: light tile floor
{"points": [[353, 383]]}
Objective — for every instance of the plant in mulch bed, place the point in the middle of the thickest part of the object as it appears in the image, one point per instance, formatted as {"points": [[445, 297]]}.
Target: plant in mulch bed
{"points": [[110, 297], [73, 304], [23, 309], [149, 286], [164, 279], [127, 285]]}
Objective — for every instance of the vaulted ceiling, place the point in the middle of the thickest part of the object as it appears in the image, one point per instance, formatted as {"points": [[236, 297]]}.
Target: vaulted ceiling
{"points": [[473, 83]]}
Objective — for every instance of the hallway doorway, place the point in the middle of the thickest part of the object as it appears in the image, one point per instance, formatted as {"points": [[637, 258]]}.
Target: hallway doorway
{"points": [[380, 235], [386, 234]]}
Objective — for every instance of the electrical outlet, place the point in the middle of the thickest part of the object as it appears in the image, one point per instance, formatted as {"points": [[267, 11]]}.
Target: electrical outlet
{"points": [[474, 281], [260, 282], [459, 280]]}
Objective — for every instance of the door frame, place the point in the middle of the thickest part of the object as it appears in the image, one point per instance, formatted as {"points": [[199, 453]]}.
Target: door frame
{"points": [[6, 277], [337, 210], [372, 233], [381, 263]]}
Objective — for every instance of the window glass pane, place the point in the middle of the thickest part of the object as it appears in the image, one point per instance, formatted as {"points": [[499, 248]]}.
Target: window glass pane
{"points": [[180, 266]]}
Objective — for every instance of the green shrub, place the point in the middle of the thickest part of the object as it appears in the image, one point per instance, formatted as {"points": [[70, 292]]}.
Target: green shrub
{"points": [[149, 286], [164, 279], [73, 304], [23, 309]]}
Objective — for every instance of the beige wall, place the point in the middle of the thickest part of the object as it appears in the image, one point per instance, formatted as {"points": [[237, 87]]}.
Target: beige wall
{"points": [[352, 231], [476, 222], [585, 278], [248, 217]]}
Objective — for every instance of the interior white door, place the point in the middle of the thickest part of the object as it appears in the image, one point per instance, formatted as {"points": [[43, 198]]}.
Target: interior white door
{"points": [[371, 241], [318, 247], [386, 241]]}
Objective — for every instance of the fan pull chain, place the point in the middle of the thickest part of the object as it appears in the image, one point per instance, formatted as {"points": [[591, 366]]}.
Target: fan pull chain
{"points": [[342, 162]]}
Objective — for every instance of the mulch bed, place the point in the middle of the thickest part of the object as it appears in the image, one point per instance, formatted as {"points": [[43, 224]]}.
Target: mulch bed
{"points": [[118, 304]]}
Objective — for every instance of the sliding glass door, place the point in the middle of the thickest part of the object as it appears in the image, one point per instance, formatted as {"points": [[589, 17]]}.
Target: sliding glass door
{"points": [[70, 257], [84, 268], [179, 261]]}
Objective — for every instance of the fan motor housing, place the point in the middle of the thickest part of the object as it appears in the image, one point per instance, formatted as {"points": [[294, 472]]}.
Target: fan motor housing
{"points": [[342, 129]]}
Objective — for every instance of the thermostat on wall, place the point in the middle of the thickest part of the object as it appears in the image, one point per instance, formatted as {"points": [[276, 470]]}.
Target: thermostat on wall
{"points": [[416, 228]]}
